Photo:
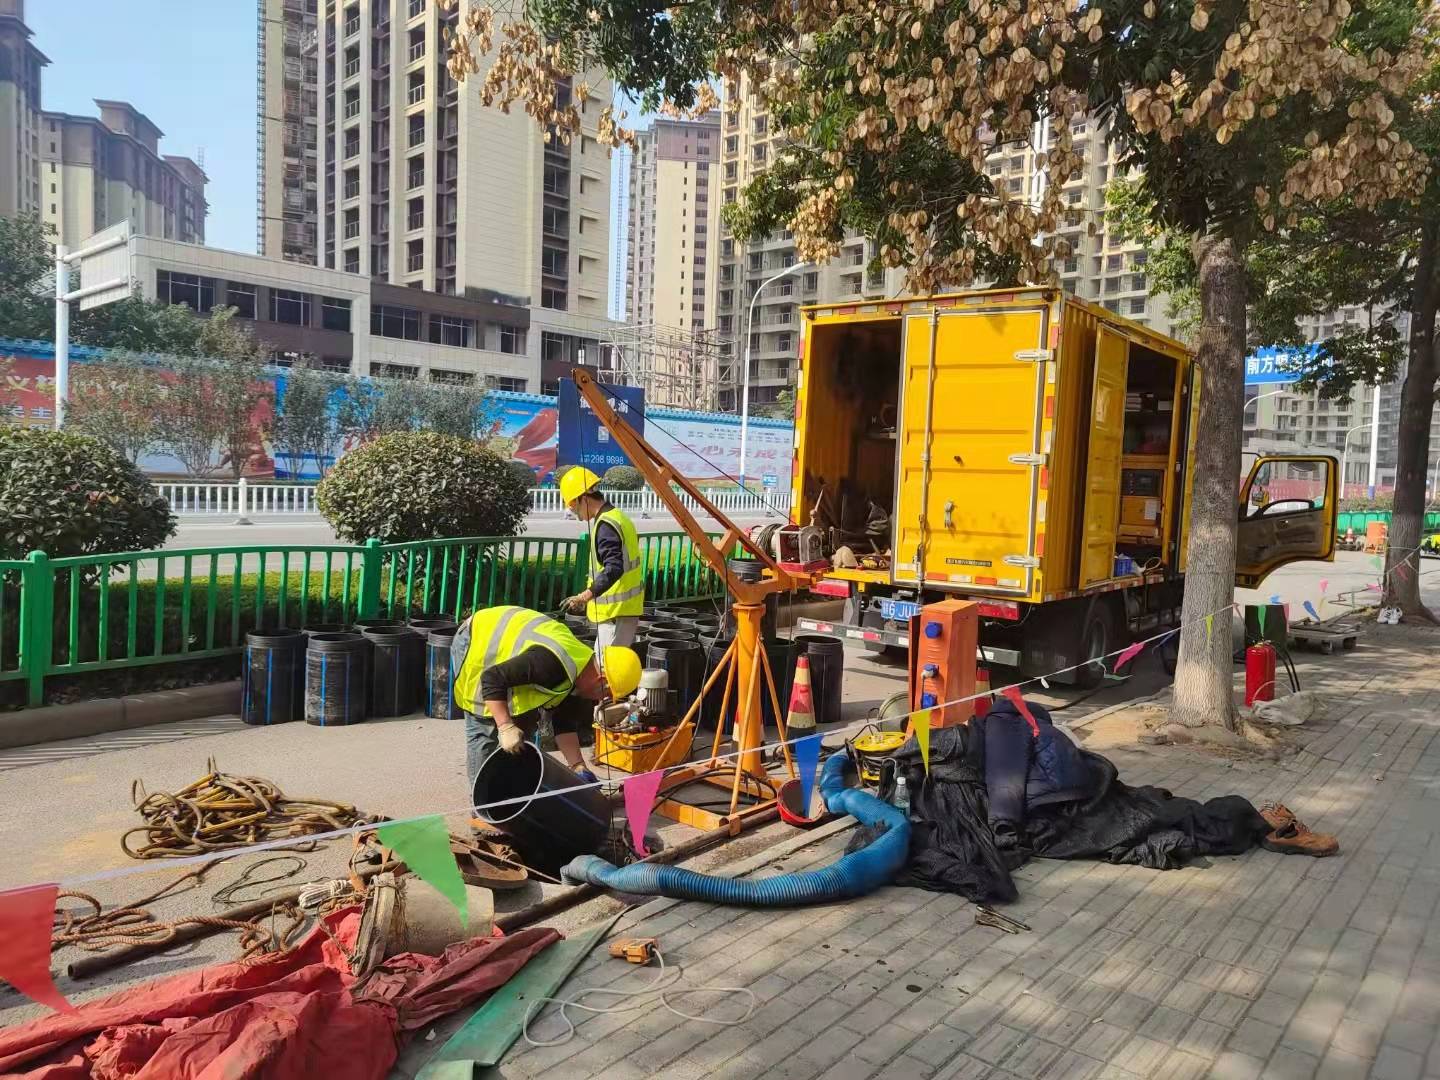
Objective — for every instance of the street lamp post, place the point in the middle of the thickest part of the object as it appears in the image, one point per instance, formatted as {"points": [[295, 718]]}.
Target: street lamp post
{"points": [[1261, 397], [745, 378], [1345, 452]]}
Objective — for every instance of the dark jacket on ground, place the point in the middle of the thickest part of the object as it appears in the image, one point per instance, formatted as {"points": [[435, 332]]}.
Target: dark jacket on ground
{"points": [[1026, 768]]}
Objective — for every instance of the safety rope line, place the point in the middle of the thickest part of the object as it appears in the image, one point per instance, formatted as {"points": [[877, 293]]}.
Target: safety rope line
{"points": [[127, 871]]}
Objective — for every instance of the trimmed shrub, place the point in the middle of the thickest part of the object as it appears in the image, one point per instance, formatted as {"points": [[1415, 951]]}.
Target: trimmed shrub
{"points": [[524, 472], [420, 485], [623, 478], [67, 494]]}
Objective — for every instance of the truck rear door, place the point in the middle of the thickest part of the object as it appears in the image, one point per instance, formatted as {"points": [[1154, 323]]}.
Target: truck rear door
{"points": [[969, 459], [1102, 467]]}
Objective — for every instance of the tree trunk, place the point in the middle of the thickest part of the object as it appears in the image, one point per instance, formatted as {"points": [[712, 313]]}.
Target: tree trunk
{"points": [[1204, 673], [1412, 459]]}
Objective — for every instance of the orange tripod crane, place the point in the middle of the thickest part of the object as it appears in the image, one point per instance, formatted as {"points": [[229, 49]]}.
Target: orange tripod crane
{"points": [[745, 665]]}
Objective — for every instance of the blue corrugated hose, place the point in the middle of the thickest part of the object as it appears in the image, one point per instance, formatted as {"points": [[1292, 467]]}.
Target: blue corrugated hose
{"points": [[856, 874]]}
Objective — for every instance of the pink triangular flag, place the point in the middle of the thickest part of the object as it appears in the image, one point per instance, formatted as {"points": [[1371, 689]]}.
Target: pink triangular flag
{"points": [[639, 801], [1013, 693], [26, 918], [1372, 587], [1324, 584], [1131, 651]]}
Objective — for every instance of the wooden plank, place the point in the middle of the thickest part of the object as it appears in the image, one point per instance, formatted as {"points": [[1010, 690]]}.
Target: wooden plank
{"points": [[493, 1028]]}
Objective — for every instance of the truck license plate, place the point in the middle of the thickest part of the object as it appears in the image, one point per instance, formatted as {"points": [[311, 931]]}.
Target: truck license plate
{"points": [[899, 610]]}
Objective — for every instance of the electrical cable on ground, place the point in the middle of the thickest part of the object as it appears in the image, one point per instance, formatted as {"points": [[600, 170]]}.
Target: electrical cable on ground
{"points": [[661, 988]]}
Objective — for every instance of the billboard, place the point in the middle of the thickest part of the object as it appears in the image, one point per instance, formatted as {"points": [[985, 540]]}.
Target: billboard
{"points": [[27, 397], [705, 447], [583, 439], [1277, 364]]}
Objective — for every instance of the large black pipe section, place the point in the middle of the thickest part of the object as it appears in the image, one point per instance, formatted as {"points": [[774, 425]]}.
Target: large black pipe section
{"points": [[560, 816], [273, 686], [397, 661], [337, 679]]}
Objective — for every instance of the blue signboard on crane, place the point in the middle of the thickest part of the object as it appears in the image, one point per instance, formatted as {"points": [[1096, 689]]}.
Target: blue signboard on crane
{"points": [[583, 439]]}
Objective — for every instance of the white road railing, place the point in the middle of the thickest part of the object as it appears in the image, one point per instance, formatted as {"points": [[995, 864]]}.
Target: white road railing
{"points": [[238, 498], [243, 498]]}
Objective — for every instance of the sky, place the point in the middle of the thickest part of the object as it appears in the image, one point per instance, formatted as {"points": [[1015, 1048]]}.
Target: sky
{"points": [[189, 65]]}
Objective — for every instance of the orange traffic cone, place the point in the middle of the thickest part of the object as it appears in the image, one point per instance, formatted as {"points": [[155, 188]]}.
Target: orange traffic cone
{"points": [[982, 686], [801, 719]]}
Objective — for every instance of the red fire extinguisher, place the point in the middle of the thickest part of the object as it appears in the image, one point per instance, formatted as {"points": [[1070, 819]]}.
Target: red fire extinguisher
{"points": [[1260, 673]]}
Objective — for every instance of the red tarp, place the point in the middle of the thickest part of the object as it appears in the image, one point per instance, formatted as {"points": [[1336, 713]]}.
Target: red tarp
{"points": [[291, 1017]]}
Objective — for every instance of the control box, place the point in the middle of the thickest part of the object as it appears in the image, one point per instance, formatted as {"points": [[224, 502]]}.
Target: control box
{"points": [[943, 637]]}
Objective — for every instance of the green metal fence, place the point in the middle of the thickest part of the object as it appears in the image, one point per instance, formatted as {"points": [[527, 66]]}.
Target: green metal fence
{"points": [[94, 613], [1358, 519]]}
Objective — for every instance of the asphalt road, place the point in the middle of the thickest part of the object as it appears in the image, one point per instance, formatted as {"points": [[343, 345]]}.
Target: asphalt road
{"points": [[314, 531]]}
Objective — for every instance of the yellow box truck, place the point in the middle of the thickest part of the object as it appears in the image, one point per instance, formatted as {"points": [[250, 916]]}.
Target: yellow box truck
{"points": [[1028, 450]]}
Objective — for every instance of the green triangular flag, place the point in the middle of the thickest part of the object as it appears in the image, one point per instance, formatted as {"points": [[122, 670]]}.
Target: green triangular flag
{"points": [[1260, 617], [424, 846]]}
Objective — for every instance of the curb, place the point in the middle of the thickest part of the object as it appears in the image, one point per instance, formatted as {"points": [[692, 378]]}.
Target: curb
{"points": [[50, 723]]}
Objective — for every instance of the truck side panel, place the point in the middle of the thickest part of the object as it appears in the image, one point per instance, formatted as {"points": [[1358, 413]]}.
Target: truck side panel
{"points": [[969, 461]]}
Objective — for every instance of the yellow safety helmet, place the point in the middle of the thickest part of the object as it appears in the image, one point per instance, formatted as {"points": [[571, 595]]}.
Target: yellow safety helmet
{"points": [[577, 482], [622, 670]]}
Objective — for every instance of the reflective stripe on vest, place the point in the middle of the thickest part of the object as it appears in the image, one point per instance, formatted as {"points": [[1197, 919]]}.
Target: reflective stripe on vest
{"points": [[627, 595], [500, 633]]}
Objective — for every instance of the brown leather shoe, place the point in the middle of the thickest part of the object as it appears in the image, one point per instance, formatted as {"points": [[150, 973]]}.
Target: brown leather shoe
{"points": [[1290, 836], [1278, 816]]}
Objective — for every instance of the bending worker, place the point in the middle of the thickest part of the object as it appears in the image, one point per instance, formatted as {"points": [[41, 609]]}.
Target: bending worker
{"points": [[511, 663], [616, 596]]}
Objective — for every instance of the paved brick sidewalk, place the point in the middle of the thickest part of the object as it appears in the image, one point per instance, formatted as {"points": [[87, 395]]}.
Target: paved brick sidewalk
{"points": [[1263, 965]]}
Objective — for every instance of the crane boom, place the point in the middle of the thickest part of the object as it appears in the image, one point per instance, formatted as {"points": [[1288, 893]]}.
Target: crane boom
{"points": [[661, 476]]}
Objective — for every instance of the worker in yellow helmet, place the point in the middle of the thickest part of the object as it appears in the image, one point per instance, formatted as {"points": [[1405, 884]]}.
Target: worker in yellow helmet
{"points": [[615, 598], [512, 663]]}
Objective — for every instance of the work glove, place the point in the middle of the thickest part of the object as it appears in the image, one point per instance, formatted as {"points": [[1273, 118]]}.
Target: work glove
{"points": [[575, 604], [511, 738]]}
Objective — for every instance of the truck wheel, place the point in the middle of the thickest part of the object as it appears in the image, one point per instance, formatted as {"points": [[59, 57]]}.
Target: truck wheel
{"points": [[1098, 636]]}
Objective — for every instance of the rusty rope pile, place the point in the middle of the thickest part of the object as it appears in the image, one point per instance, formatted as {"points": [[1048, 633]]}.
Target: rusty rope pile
{"points": [[223, 810], [98, 930]]}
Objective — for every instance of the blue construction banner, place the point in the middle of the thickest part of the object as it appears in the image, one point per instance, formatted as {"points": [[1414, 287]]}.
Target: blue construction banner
{"points": [[586, 441]]}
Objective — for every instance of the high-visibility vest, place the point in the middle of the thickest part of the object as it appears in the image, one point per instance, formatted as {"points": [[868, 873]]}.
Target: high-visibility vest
{"points": [[627, 595], [494, 635]]}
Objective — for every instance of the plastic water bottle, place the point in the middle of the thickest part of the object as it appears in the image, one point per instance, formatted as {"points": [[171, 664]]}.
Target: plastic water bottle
{"points": [[901, 799]]}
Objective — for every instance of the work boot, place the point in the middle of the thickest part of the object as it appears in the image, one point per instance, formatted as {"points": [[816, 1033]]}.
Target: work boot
{"points": [[1277, 815], [1290, 836]]}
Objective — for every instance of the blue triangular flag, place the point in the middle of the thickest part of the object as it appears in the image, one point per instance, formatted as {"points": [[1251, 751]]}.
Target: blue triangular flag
{"points": [[807, 761], [1310, 610], [1275, 599]]}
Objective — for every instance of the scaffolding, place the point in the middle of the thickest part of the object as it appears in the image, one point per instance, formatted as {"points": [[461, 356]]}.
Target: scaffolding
{"points": [[678, 369]]}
